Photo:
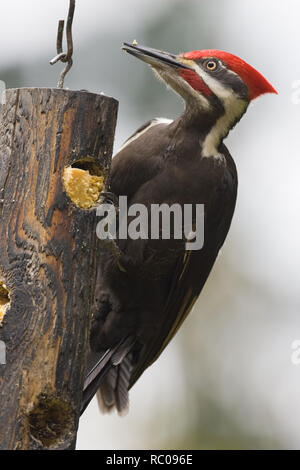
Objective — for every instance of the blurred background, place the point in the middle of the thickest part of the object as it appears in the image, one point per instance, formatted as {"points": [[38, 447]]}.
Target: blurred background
{"points": [[227, 380]]}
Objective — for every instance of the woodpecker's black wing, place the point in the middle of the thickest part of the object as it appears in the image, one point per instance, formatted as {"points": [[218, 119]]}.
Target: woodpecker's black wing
{"points": [[189, 277]]}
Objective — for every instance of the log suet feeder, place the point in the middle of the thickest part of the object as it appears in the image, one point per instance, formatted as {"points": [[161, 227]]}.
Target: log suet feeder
{"points": [[55, 153]]}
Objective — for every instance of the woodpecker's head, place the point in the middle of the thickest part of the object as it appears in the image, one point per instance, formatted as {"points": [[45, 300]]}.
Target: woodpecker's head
{"points": [[215, 83], [205, 74]]}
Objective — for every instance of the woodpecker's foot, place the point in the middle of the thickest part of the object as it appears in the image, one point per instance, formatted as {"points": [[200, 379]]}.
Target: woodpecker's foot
{"points": [[104, 307], [117, 253], [111, 198], [104, 331], [106, 197]]}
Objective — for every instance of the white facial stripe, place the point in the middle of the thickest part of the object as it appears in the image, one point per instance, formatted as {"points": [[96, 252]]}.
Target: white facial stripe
{"points": [[152, 123], [234, 108], [233, 111]]}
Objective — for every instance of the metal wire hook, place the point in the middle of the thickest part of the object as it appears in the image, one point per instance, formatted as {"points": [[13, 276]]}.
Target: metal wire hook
{"points": [[60, 54]]}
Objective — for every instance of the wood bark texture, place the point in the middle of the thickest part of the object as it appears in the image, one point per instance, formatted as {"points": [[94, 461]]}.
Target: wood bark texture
{"points": [[48, 259]]}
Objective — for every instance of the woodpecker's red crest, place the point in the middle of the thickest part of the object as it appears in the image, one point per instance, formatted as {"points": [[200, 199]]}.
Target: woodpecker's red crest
{"points": [[255, 81]]}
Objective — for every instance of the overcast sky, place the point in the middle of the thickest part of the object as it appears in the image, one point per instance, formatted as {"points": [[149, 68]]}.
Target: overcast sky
{"points": [[28, 27]]}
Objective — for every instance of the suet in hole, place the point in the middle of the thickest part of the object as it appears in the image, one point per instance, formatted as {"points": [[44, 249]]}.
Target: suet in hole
{"points": [[50, 420], [4, 300], [83, 182]]}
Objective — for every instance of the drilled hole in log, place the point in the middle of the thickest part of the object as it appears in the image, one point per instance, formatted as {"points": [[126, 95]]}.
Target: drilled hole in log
{"points": [[50, 420], [88, 164], [83, 182], [4, 300]]}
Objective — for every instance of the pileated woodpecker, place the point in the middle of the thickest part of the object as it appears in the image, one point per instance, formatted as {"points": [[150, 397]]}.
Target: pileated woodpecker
{"points": [[145, 294]]}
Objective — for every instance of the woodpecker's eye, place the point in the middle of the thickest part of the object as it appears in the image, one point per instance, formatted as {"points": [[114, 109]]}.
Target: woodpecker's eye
{"points": [[211, 65]]}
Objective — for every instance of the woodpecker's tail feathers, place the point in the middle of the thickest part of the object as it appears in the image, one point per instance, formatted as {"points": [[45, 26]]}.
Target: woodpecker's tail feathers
{"points": [[98, 366], [110, 371], [113, 390]]}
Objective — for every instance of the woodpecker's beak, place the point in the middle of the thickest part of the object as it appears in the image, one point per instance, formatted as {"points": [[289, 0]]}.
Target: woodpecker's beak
{"points": [[154, 57]]}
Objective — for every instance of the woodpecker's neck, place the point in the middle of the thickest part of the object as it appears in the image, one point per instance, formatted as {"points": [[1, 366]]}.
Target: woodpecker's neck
{"points": [[212, 123]]}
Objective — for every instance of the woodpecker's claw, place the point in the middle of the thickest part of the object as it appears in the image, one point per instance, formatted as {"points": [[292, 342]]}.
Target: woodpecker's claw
{"points": [[106, 197]]}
